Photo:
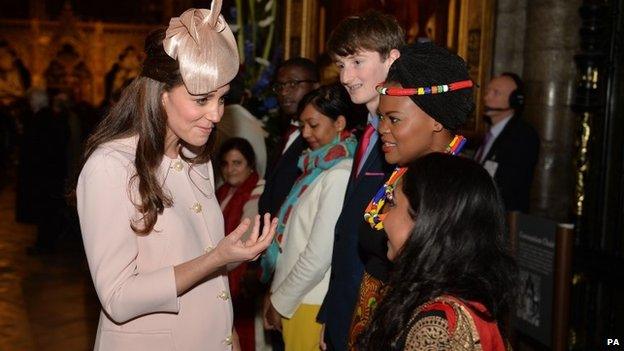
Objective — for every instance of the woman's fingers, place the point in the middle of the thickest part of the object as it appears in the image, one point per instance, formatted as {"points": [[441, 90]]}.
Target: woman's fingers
{"points": [[269, 229], [254, 246], [322, 344], [268, 232], [265, 240], [275, 319], [253, 237], [267, 224], [277, 323], [240, 230], [265, 313], [266, 323]]}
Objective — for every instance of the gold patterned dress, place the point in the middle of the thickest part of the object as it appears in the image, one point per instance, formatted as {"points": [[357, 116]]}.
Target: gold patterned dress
{"points": [[448, 323]]}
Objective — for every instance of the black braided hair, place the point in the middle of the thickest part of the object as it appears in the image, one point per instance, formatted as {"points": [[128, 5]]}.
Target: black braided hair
{"points": [[425, 65]]}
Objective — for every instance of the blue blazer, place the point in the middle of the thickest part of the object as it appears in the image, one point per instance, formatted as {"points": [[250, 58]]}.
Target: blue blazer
{"points": [[347, 265]]}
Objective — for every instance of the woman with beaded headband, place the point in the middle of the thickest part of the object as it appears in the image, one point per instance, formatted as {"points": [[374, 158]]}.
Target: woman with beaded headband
{"points": [[151, 225], [427, 96]]}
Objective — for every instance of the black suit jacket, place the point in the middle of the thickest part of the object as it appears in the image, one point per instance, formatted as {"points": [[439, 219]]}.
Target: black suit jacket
{"points": [[280, 178], [515, 150], [347, 266]]}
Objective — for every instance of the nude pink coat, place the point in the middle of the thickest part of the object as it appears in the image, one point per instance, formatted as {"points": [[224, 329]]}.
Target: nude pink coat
{"points": [[133, 274]]}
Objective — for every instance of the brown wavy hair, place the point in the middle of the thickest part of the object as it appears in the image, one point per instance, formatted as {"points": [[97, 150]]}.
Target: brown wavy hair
{"points": [[140, 112], [373, 31]]}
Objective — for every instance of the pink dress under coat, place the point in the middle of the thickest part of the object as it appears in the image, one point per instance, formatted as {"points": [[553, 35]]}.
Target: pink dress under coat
{"points": [[133, 274]]}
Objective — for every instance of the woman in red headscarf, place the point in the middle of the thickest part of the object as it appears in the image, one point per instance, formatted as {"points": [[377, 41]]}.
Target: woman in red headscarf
{"points": [[238, 198]]}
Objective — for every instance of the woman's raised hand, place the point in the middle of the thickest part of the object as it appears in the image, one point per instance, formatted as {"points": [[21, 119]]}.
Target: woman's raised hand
{"points": [[232, 249]]}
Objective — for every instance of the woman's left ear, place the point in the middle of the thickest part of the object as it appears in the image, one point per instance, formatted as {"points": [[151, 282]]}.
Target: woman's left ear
{"points": [[340, 123], [437, 126]]}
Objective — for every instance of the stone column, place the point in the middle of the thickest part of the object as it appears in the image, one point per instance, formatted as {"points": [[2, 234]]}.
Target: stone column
{"points": [[509, 40], [551, 40]]}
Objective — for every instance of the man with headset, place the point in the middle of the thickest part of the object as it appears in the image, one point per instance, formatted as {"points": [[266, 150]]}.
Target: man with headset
{"points": [[510, 148]]}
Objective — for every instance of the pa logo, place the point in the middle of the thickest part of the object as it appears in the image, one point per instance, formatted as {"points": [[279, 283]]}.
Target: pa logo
{"points": [[613, 342]]}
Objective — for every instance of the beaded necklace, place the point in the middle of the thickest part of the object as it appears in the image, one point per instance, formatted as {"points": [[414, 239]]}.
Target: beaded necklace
{"points": [[373, 215]]}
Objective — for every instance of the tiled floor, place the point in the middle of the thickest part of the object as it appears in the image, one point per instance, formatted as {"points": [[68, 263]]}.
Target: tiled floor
{"points": [[47, 301]]}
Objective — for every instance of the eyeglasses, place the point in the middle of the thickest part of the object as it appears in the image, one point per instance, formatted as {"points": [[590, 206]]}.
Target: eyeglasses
{"points": [[290, 84]]}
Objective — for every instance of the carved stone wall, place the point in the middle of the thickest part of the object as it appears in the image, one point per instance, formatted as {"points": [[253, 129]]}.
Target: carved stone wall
{"points": [[98, 46]]}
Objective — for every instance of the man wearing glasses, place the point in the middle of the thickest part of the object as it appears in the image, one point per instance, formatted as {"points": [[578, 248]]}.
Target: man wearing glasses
{"points": [[295, 78]]}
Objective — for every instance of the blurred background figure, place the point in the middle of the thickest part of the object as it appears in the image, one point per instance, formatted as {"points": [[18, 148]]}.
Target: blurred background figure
{"points": [[48, 161], [30, 144], [14, 81], [511, 145], [295, 78], [238, 198], [237, 121]]}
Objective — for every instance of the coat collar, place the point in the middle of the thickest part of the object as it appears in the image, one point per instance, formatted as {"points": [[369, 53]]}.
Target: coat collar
{"points": [[201, 174]]}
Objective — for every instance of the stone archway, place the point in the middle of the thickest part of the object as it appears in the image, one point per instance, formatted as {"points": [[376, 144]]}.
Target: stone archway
{"points": [[68, 72], [124, 70], [14, 77]]}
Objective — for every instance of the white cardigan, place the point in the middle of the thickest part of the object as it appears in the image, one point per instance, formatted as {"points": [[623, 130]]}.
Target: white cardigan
{"points": [[303, 268]]}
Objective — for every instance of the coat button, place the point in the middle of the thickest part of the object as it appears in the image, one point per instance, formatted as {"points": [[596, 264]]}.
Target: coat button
{"points": [[178, 166], [197, 208], [208, 249], [228, 340], [224, 295]]}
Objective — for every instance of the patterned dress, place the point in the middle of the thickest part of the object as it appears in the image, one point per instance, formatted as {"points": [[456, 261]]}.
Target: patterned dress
{"points": [[447, 323]]}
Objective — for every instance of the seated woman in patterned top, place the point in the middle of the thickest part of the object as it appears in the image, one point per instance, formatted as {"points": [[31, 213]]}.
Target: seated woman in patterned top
{"points": [[452, 279]]}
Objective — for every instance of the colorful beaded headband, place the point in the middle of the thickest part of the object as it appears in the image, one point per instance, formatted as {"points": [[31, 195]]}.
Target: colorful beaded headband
{"points": [[373, 215], [435, 89]]}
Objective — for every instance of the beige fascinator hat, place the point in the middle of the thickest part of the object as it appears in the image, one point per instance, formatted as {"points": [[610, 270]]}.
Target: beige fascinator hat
{"points": [[204, 46]]}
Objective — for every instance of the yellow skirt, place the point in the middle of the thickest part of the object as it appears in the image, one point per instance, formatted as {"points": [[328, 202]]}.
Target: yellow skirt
{"points": [[301, 332]]}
